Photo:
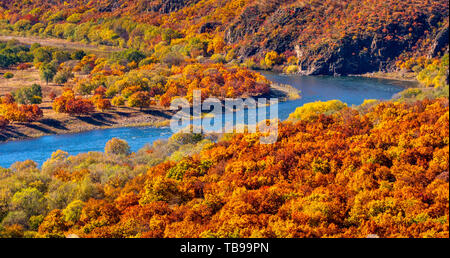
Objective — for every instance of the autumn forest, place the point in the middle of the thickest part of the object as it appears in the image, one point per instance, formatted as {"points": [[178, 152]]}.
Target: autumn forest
{"points": [[379, 168]]}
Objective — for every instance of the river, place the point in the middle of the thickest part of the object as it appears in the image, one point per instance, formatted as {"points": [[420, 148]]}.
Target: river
{"points": [[351, 90]]}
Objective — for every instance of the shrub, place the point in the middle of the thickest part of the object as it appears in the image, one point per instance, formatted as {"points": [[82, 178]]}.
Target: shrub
{"points": [[68, 103], [272, 58], [22, 25], [218, 58], [29, 200], [36, 100], [291, 69], [20, 113], [24, 66], [133, 55], [74, 18], [47, 72], [78, 55], [8, 75], [173, 58], [72, 212], [117, 146], [29, 95], [7, 99], [139, 99], [118, 101], [311, 111], [63, 75], [101, 103], [60, 56]]}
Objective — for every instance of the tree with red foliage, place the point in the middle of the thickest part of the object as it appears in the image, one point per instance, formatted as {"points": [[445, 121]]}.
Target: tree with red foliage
{"points": [[68, 103]]}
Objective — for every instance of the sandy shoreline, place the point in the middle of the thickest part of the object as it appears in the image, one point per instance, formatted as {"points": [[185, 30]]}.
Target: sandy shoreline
{"points": [[406, 77]]}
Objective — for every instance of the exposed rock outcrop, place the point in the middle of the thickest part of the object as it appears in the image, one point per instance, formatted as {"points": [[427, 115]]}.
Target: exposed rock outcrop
{"points": [[159, 6], [440, 43], [352, 56], [209, 27], [260, 29], [168, 6]]}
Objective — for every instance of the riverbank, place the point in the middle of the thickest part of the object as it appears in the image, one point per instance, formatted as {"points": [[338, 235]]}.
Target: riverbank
{"points": [[347, 90], [54, 123], [398, 76], [284, 92]]}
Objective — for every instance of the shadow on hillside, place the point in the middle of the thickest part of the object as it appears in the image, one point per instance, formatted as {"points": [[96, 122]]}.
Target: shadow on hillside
{"points": [[98, 119], [39, 128], [8, 133], [53, 123], [156, 113], [123, 114]]}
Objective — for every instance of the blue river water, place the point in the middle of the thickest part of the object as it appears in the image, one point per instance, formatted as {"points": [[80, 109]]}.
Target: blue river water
{"points": [[351, 90]]}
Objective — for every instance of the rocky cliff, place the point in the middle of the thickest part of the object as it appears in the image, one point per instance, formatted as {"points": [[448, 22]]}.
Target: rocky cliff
{"points": [[338, 45]]}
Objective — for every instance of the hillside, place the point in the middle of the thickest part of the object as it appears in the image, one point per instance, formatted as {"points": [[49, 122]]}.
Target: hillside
{"points": [[324, 36], [380, 169]]}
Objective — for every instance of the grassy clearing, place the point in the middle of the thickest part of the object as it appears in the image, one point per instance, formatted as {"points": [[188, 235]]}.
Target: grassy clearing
{"points": [[64, 44], [25, 78]]}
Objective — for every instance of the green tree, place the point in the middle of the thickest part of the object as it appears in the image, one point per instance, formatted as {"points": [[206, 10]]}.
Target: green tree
{"points": [[8, 75], [61, 56], [36, 90], [72, 212], [29, 200], [63, 75], [21, 25], [47, 72], [118, 101], [134, 55], [78, 55], [42, 55], [6, 60], [29, 95], [35, 221]]}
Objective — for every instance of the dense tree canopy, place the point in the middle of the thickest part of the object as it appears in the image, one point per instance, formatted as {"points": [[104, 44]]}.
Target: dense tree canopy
{"points": [[381, 170], [268, 31]]}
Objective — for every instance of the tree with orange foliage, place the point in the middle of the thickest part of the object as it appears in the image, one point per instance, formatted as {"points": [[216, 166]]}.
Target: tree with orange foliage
{"points": [[139, 99], [68, 103]]}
